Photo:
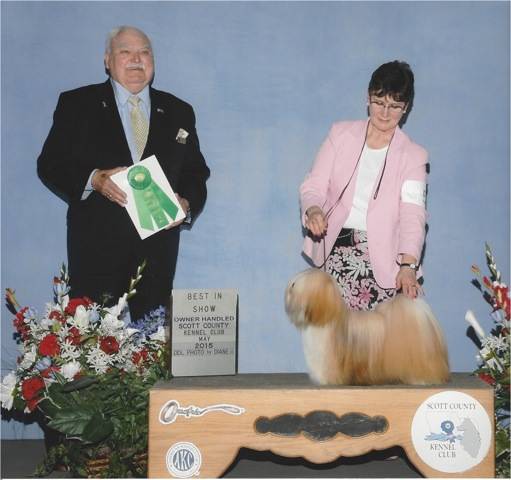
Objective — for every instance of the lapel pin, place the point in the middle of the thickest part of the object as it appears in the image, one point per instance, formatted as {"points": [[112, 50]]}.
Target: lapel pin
{"points": [[104, 104], [160, 110]]}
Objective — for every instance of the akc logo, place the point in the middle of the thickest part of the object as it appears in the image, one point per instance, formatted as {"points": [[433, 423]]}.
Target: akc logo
{"points": [[183, 460], [451, 432]]}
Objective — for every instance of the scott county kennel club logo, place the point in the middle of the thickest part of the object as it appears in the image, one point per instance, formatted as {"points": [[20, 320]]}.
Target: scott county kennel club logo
{"points": [[183, 460], [451, 432]]}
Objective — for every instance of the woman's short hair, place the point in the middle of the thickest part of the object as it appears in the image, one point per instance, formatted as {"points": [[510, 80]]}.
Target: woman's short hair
{"points": [[394, 79]]}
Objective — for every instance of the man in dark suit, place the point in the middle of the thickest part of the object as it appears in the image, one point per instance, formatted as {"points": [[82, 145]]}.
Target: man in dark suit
{"points": [[99, 130]]}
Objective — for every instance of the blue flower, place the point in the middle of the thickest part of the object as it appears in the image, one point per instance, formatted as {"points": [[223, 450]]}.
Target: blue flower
{"points": [[151, 322]]}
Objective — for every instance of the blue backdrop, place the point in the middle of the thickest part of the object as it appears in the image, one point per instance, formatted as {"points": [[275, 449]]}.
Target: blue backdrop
{"points": [[267, 80]]}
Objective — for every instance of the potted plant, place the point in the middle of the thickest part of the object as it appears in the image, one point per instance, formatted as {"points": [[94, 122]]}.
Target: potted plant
{"points": [[88, 371], [493, 356]]}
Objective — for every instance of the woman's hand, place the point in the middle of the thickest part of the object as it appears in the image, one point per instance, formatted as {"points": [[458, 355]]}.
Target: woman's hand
{"points": [[406, 280], [316, 221]]}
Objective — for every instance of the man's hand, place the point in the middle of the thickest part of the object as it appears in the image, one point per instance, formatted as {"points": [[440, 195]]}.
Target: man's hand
{"points": [[185, 205], [102, 183], [316, 221]]}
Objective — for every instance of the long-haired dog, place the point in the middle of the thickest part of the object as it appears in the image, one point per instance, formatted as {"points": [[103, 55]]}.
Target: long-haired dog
{"points": [[399, 341]]}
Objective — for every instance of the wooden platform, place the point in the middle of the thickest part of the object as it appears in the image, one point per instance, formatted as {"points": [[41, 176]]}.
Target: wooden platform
{"points": [[198, 424]]}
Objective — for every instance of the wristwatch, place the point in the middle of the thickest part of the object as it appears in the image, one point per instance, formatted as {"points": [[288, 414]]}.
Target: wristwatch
{"points": [[413, 266]]}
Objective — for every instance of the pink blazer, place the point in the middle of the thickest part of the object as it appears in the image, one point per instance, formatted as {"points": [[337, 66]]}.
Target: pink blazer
{"points": [[395, 225]]}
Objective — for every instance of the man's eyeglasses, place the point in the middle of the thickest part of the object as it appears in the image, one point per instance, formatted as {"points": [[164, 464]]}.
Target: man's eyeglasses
{"points": [[393, 107]]}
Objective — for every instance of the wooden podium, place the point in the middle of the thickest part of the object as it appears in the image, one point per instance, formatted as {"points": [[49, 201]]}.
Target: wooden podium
{"points": [[198, 424]]}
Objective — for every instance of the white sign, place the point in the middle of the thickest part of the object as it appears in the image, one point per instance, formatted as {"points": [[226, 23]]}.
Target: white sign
{"points": [[204, 332], [152, 204], [451, 432], [183, 460]]}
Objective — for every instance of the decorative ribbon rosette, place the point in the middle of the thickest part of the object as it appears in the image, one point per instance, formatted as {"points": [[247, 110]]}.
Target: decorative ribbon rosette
{"points": [[150, 199], [151, 203]]}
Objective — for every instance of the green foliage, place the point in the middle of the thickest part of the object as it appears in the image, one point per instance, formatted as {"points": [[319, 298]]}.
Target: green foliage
{"points": [[494, 355], [108, 416], [89, 372]]}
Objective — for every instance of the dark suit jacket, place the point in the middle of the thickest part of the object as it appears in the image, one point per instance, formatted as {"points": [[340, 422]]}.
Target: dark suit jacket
{"points": [[87, 133]]}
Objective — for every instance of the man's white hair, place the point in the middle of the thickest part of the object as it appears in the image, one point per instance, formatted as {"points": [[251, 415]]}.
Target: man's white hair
{"points": [[120, 29]]}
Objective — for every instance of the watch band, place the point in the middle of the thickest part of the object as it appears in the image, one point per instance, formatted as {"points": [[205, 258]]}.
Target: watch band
{"points": [[413, 266]]}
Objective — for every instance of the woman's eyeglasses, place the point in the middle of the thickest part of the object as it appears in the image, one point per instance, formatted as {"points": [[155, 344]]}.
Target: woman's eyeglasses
{"points": [[392, 107]]}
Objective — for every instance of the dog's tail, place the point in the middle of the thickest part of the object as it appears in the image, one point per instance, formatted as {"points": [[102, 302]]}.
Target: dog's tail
{"points": [[415, 349]]}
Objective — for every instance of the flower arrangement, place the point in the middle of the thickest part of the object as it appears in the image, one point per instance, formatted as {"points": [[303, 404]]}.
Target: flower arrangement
{"points": [[88, 371], [493, 357]]}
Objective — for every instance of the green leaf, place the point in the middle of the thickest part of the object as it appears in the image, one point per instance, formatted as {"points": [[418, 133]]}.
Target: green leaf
{"points": [[72, 421], [501, 441], [79, 383], [97, 429]]}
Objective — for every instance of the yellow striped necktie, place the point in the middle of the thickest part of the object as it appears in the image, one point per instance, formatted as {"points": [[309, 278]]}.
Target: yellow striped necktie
{"points": [[139, 125]]}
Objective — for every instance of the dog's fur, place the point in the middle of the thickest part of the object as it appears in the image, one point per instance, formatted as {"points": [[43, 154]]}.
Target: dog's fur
{"points": [[398, 342]]}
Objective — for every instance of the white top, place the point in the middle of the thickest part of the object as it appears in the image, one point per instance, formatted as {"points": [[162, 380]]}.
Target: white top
{"points": [[371, 162]]}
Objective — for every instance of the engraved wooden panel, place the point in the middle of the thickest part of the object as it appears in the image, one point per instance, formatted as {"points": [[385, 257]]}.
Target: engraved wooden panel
{"points": [[218, 433]]}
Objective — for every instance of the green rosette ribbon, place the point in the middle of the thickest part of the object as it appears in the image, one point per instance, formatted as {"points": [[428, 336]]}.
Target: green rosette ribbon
{"points": [[150, 199]]}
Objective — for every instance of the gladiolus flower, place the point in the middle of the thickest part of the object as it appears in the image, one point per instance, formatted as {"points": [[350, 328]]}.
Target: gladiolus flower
{"points": [[19, 323], [471, 319], [10, 298]]}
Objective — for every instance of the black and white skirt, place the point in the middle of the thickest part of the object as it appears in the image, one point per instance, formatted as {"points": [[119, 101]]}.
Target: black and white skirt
{"points": [[349, 264]]}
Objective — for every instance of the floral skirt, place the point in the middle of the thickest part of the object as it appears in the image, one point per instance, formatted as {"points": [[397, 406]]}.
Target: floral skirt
{"points": [[349, 264]]}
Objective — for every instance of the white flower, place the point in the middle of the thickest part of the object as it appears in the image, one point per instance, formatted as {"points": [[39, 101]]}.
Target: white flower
{"points": [[6, 389], [98, 360], [80, 319], [69, 370], [118, 309], [486, 354], [64, 301], [131, 331], [159, 335], [471, 319], [68, 351], [29, 358], [46, 323], [110, 324], [497, 344]]}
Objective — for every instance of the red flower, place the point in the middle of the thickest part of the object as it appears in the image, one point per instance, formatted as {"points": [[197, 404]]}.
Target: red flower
{"points": [[48, 371], [49, 345], [20, 325], [139, 357], [109, 345], [31, 404], [30, 389], [74, 303], [74, 336], [502, 298], [487, 378], [56, 315]]}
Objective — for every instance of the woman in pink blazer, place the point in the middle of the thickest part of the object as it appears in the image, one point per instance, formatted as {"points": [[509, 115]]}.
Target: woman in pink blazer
{"points": [[363, 202]]}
